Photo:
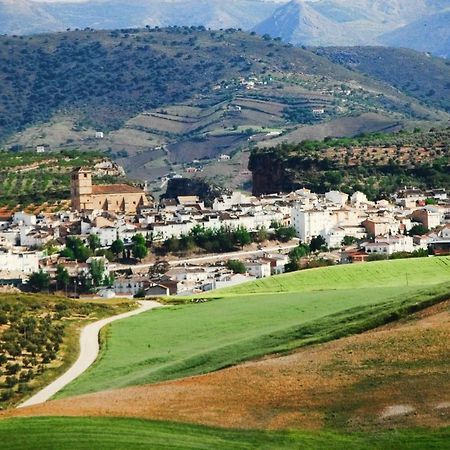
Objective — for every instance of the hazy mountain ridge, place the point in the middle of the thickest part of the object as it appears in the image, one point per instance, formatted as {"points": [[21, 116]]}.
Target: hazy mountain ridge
{"points": [[430, 34], [113, 14], [419, 24], [363, 22]]}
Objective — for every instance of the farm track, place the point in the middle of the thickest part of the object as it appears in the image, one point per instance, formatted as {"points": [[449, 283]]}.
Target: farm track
{"points": [[89, 349]]}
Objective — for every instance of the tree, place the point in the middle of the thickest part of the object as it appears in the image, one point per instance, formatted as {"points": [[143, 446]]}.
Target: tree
{"points": [[94, 242], [295, 255], [62, 277], [109, 280], [39, 281], [318, 244], [97, 271], [117, 247], [139, 251], [261, 235], [242, 236], [139, 239], [284, 234], [236, 266], [172, 244], [75, 249], [348, 240], [418, 230]]}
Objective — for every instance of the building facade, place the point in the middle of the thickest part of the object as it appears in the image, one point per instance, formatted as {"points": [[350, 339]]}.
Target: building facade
{"points": [[119, 198]]}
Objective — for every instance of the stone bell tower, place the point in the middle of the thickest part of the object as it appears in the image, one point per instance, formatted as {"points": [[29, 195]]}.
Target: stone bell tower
{"points": [[81, 189]]}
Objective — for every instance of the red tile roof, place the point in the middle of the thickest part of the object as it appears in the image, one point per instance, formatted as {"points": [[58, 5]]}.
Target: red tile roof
{"points": [[115, 189]]}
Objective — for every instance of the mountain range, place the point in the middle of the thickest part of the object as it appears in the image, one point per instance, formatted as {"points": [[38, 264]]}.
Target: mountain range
{"points": [[418, 24]]}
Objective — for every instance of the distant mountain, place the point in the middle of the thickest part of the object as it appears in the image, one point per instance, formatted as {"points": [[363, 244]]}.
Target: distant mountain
{"points": [[407, 23], [418, 24], [20, 16], [430, 34], [26, 16], [299, 23]]}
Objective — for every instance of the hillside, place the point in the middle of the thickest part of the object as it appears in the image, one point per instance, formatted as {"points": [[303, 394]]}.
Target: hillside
{"points": [[39, 181], [417, 75], [241, 324], [356, 382], [377, 164], [302, 22], [112, 434], [29, 16], [38, 339], [186, 94], [428, 34]]}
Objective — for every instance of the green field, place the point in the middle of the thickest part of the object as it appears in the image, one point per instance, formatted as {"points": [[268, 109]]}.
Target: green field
{"points": [[130, 434], [400, 272], [192, 339]]}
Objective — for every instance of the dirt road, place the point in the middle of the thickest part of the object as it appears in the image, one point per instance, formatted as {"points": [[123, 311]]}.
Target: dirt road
{"points": [[89, 348]]}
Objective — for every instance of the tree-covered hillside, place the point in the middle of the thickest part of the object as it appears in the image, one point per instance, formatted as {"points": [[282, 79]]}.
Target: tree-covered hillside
{"points": [[418, 75], [107, 77]]}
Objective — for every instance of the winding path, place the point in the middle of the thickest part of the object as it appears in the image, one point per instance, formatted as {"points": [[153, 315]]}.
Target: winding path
{"points": [[89, 348]]}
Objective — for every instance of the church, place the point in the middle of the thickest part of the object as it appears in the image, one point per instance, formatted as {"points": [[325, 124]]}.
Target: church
{"points": [[118, 198]]}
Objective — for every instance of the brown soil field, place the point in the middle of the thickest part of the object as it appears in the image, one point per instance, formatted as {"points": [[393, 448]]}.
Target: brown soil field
{"points": [[394, 376]]}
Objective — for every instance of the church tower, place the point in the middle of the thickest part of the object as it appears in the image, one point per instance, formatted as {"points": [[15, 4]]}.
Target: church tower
{"points": [[81, 189]]}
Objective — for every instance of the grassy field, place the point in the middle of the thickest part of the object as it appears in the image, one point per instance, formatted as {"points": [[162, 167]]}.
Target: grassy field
{"points": [[395, 273], [198, 338], [130, 434]]}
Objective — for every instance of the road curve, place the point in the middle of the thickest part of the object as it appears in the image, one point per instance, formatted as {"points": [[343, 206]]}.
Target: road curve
{"points": [[89, 348]]}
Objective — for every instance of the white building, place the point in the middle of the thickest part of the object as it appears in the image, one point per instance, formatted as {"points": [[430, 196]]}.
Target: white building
{"points": [[259, 269], [22, 218], [389, 245], [18, 262], [336, 197], [312, 222], [358, 198]]}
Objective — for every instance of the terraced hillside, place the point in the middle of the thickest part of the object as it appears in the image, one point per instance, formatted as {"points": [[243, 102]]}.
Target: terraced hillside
{"points": [[185, 94], [377, 164], [42, 180], [254, 320]]}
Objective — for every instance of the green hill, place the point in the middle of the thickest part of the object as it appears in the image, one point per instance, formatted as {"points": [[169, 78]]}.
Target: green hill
{"points": [[115, 434], [281, 314]]}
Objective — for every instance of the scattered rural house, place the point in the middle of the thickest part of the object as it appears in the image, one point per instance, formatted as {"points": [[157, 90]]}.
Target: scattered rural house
{"points": [[259, 268], [277, 263]]}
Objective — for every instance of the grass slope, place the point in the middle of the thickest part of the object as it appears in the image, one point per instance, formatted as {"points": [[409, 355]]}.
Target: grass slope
{"points": [[401, 272], [192, 339], [109, 434]]}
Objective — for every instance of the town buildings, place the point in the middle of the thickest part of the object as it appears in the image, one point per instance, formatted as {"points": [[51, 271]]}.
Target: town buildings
{"points": [[31, 242]]}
